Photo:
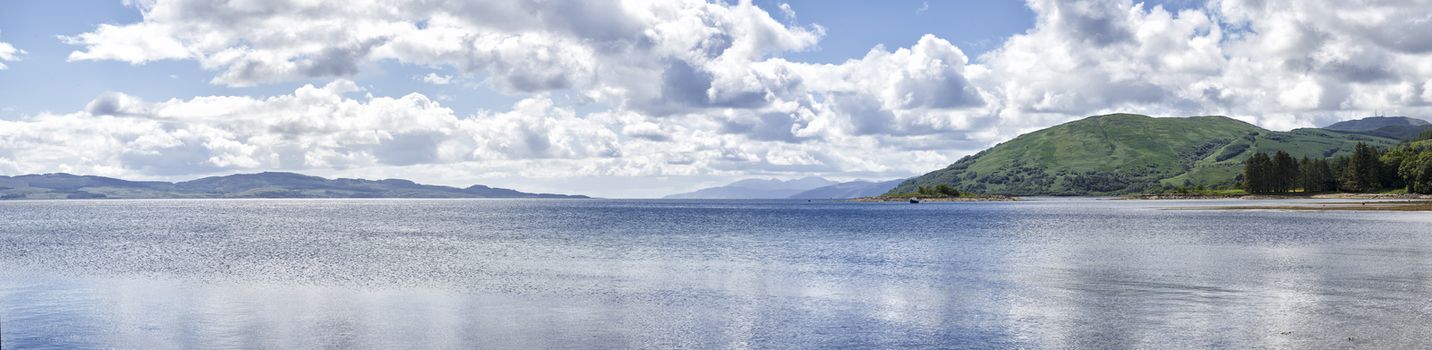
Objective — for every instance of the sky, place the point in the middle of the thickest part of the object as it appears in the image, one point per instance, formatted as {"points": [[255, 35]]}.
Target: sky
{"points": [[644, 98]]}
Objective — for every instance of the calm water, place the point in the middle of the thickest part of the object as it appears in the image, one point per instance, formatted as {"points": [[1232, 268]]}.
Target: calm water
{"points": [[695, 274]]}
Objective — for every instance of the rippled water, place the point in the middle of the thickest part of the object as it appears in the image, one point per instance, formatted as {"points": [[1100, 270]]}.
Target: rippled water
{"points": [[700, 274]]}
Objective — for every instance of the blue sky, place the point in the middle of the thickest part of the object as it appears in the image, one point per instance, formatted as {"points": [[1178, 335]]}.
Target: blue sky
{"points": [[631, 98]]}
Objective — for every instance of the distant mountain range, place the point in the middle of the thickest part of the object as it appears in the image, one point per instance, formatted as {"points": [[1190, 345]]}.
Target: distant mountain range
{"points": [[847, 190], [261, 185], [1126, 153], [803, 188], [1100, 155], [1401, 128]]}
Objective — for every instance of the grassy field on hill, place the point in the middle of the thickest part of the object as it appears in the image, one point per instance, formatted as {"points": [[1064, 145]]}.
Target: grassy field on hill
{"points": [[1126, 153]]}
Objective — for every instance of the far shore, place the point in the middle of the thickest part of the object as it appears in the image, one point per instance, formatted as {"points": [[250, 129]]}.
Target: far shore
{"points": [[1411, 205], [981, 198], [1368, 196], [1368, 201], [1354, 201]]}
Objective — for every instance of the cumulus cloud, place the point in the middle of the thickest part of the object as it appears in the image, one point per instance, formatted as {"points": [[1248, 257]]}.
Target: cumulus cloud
{"points": [[717, 59], [723, 103], [8, 52], [1278, 63], [329, 128], [314, 127], [918, 90], [699, 88], [522, 46], [115, 103]]}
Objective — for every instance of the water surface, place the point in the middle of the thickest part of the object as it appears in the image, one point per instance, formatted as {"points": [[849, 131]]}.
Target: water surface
{"points": [[1053, 273]]}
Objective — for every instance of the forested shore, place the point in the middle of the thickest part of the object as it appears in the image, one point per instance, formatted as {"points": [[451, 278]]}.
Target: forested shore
{"points": [[1401, 171]]}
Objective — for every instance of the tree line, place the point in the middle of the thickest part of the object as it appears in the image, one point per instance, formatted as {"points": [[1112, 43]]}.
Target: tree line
{"points": [[941, 190], [1368, 169]]}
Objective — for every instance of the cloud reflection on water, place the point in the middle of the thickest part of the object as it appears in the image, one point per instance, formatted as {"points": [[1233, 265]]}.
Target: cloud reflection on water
{"points": [[621, 274]]}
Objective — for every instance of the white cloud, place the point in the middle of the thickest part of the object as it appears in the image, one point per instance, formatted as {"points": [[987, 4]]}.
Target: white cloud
{"points": [[138, 43], [329, 130], [1280, 63], [314, 127], [114, 103], [8, 52], [788, 11], [435, 79], [718, 60], [692, 88], [913, 89], [522, 46]]}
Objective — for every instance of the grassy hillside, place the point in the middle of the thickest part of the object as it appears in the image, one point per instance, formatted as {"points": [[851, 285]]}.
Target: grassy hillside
{"points": [[1126, 153]]}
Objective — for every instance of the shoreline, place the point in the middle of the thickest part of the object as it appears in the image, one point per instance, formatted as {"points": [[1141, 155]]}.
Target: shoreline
{"points": [[1369, 201], [1370, 196], [1411, 205]]}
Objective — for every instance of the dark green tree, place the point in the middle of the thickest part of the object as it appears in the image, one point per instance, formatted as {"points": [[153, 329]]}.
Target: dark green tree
{"points": [[1258, 173], [1362, 173], [1284, 173], [1314, 175], [1307, 175], [1425, 135], [1340, 173], [947, 190], [1326, 174], [1416, 171], [1391, 162]]}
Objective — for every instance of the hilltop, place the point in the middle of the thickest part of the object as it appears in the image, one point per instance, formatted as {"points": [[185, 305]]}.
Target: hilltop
{"points": [[260, 185], [1402, 128], [1127, 153]]}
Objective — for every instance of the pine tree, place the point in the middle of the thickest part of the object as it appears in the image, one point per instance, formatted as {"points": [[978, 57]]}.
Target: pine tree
{"points": [[1362, 173], [1340, 170], [1285, 172], [1252, 175], [1325, 175], [1307, 175], [1258, 173]]}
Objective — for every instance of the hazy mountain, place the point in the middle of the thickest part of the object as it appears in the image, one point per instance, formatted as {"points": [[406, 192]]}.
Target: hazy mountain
{"points": [[1401, 128], [261, 185], [1125, 153], [757, 189], [846, 190], [1374, 123]]}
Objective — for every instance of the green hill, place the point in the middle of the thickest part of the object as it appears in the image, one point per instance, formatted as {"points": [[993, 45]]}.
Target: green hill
{"points": [[1126, 153], [1401, 128]]}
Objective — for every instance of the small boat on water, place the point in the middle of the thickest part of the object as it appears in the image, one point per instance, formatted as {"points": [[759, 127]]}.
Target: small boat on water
{"points": [[914, 200]]}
